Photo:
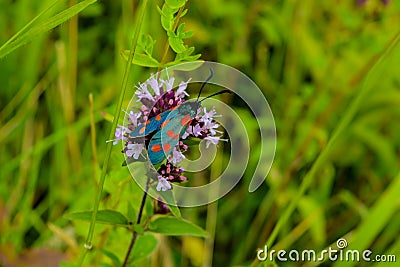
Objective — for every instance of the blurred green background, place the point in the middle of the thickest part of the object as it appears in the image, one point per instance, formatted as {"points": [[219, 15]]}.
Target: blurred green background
{"points": [[324, 66]]}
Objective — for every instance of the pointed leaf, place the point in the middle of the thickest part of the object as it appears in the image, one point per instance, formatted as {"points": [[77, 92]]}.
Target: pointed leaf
{"points": [[169, 197], [142, 59], [148, 207], [180, 29], [103, 216], [185, 67], [30, 31], [167, 17], [147, 44], [184, 13], [112, 257], [188, 34], [145, 245], [175, 3], [176, 44], [168, 10], [175, 227], [167, 22]]}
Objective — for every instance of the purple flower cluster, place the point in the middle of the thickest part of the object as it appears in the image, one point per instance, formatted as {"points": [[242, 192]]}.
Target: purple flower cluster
{"points": [[156, 96]]}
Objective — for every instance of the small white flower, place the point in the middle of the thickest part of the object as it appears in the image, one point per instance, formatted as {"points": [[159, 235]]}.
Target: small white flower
{"points": [[169, 84], [186, 134], [154, 85], [133, 117], [163, 184], [211, 127], [213, 140], [177, 156], [196, 130], [143, 93], [120, 134], [181, 92], [134, 150], [207, 119], [208, 116]]}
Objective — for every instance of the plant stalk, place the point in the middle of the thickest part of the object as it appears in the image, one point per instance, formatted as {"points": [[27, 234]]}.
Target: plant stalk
{"points": [[88, 243], [139, 218]]}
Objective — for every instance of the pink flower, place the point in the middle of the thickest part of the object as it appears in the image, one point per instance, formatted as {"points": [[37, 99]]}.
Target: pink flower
{"points": [[133, 150], [213, 140], [177, 156], [163, 184], [120, 134]]}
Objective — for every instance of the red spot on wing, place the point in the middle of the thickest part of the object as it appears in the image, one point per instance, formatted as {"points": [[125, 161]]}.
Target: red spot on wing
{"points": [[156, 148], [158, 117], [166, 147], [147, 122], [164, 123], [141, 131], [171, 133], [174, 107], [185, 120]]}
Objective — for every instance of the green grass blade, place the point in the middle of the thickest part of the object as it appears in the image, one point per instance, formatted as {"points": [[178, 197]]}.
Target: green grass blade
{"points": [[88, 243], [29, 24], [29, 32]]}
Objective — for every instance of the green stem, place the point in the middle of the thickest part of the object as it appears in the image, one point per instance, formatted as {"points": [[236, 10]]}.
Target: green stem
{"points": [[139, 218], [88, 243]]}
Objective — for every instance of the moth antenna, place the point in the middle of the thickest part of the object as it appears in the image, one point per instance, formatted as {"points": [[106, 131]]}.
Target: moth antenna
{"points": [[217, 93], [205, 82]]}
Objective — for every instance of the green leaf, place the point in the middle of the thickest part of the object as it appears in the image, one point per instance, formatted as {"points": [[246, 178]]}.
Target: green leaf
{"points": [[185, 67], [145, 245], [131, 213], [112, 257], [175, 226], [168, 10], [180, 29], [168, 197], [167, 22], [103, 216], [175, 210], [142, 59], [176, 43], [186, 56], [167, 17], [147, 44], [181, 33], [175, 3], [185, 35], [149, 207], [31, 31], [184, 13]]}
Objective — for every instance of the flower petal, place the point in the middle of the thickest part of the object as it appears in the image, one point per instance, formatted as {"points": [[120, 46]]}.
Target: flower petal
{"points": [[163, 184]]}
